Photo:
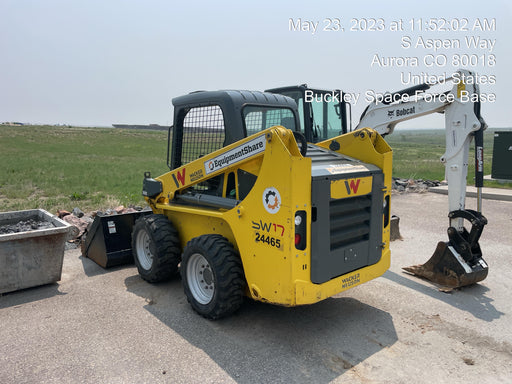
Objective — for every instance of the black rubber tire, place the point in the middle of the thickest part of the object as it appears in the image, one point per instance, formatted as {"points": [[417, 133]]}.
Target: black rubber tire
{"points": [[225, 271], [156, 248]]}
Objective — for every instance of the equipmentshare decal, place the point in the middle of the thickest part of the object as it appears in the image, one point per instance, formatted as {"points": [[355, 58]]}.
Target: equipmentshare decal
{"points": [[236, 154]]}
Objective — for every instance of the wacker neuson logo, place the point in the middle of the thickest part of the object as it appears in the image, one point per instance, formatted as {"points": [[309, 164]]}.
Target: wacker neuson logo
{"points": [[236, 154]]}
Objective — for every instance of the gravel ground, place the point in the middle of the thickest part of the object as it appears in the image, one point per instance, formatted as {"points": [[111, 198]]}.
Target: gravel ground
{"points": [[99, 326]]}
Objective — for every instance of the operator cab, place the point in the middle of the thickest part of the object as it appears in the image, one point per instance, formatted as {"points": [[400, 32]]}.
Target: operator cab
{"points": [[207, 121], [323, 114]]}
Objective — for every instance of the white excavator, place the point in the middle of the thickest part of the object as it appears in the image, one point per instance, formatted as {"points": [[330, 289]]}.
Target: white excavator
{"points": [[326, 114]]}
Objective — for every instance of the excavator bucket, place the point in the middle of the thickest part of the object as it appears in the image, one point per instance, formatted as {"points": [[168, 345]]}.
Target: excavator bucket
{"points": [[458, 262], [448, 269]]}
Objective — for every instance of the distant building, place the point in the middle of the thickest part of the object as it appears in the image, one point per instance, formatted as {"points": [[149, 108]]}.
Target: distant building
{"points": [[12, 123], [153, 127]]}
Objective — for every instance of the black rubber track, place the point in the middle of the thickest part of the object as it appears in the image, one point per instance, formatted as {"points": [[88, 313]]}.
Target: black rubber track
{"points": [[228, 275], [164, 245]]}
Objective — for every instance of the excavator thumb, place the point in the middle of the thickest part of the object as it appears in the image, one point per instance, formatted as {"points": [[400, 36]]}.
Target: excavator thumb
{"points": [[459, 261]]}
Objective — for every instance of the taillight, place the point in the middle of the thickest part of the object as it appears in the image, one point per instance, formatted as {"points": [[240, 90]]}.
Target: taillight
{"points": [[300, 230]]}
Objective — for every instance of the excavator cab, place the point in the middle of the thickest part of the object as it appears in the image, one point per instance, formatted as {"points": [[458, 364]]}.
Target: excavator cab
{"points": [[323, 114]]}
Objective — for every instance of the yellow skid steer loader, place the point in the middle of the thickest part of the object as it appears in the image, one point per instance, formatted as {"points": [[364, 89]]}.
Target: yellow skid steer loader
{"points": [[250, 208]]}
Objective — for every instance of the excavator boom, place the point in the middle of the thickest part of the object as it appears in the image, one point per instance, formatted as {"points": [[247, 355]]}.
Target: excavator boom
{"points": [[459, 261]]}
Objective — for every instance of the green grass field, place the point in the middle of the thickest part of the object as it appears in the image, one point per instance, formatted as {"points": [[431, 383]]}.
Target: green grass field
{"points": [[416, 155], [91, 168], [98, 168]]}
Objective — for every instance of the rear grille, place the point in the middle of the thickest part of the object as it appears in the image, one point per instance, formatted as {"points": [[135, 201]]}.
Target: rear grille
{"points": [[349, 221], [346, 233]]}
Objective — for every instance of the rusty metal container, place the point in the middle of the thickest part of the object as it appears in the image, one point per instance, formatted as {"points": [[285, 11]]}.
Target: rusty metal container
{"points": [[31, 257]]}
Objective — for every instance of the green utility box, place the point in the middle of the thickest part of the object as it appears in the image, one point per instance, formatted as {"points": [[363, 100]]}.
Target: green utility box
{"points": [[502, 156]]}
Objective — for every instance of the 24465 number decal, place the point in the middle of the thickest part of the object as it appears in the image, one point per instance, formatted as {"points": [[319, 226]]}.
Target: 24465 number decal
{"points": [[272, 241]]}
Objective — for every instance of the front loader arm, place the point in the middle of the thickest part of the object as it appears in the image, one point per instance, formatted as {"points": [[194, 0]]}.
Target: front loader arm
{"points": [[244, 154]]}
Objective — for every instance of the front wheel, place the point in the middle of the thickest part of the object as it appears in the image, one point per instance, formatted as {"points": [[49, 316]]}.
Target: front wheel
{"points": [[156, 248], [212, 276]]}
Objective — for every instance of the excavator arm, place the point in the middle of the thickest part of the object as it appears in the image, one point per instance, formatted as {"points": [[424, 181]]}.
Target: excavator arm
{"points": [[459, 261]]}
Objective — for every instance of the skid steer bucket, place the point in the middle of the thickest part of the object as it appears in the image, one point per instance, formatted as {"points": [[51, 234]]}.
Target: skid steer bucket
{"points": [[108, 241], [458, 262]]}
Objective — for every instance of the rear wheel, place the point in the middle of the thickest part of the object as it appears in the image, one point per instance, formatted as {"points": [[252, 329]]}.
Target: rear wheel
{"points": [[156, 248], [212, 276]]}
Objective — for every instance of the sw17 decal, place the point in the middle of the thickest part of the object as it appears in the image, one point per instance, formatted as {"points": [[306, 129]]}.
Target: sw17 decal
{"points": [[268, 233], [268, 227]]}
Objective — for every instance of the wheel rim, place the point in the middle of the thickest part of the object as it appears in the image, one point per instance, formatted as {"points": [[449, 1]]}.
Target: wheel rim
{"points": [[200, 278], [143, 250]]}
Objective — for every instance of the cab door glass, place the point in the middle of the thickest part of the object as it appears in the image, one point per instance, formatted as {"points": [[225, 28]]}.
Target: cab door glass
{"points": [[326, 121]]}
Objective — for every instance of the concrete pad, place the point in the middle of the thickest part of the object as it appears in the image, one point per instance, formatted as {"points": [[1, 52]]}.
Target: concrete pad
{"points": [[99, 326], [487, 193], [500, 181]]}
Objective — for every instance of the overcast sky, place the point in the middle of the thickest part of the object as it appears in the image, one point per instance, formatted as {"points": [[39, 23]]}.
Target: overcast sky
{"points": [[98, 62]]}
